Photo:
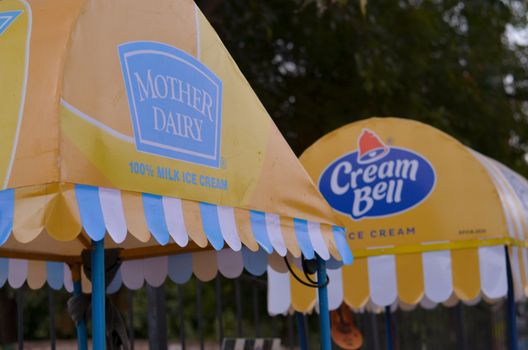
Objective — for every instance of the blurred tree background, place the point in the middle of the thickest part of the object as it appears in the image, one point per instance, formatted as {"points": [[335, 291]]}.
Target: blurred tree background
{"points": [[461, 66]]}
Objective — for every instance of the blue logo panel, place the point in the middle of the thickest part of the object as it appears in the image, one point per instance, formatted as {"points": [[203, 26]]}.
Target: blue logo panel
{"points": [[6, 18], [175, 102], [392, 184]]}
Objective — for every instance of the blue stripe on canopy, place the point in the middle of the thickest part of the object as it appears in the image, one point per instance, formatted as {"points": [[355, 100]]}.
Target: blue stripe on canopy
{"points": [[255, 263], [7, 208], [303, 238], [153, 208], [90, 210], [260, 232], [211, 225], [342, 245], [4, 271], [116, 283], [333, 263], [55, 272], [180, 268]]}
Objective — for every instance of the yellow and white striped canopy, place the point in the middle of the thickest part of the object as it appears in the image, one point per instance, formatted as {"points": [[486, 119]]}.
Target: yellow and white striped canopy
{"points": [[445, 246], [128, 121]]}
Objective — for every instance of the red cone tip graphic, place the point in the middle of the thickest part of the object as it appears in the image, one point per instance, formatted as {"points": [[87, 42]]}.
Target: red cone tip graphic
{"points": [[371, 148]]}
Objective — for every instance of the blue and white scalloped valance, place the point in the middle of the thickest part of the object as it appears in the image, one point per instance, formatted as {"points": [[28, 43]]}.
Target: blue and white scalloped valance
{"points": [[67, 217], [134, 274]]}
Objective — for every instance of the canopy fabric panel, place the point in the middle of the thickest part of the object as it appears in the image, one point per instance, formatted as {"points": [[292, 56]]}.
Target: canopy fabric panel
{"points": [[66, 217], [194, 130], [123, 120], [402, 197], [446, 246]]}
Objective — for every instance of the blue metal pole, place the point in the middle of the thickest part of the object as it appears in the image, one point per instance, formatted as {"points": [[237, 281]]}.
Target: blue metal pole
{"points": [[81, 326], [511, 312], [324, 313], [303, 339], [388, 327], [98, 296]]}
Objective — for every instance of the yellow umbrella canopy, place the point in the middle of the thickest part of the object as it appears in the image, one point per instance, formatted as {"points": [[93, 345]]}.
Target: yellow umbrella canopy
{"points": [[427, 218], [130, 121]]}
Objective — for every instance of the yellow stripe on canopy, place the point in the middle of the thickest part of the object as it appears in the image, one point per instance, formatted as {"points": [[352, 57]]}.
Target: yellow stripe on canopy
{"points": [[409, 274], [466, 273], [355, 284], [63, 221]]}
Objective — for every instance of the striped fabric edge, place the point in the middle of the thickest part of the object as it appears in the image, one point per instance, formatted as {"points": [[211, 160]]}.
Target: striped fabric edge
{"points": [[134, 274], [100, 211], [378, 281]]}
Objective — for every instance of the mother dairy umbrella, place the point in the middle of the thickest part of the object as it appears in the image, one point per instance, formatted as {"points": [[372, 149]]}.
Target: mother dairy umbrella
{"points": [[427, 218], [127, 124]]}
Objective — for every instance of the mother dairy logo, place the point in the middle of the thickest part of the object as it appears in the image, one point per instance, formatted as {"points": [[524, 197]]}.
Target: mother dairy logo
{"points": [[175, 102], [377, 180]]}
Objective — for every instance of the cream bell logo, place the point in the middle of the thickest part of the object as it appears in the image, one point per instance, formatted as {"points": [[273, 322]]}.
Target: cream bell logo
{"points": [[377, 180]]}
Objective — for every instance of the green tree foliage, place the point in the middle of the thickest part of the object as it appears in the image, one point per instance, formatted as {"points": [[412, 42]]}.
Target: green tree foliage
{"points": [[319, 64]]}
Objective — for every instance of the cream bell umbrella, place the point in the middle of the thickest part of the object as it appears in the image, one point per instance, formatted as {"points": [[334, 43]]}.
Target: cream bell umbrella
{"points": [[127, 124], [427, 219]]}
